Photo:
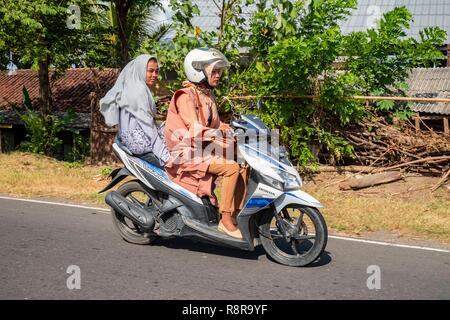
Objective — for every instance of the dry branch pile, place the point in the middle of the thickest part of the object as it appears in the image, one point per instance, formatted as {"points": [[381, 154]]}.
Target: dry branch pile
{"points": [[381, 145]]}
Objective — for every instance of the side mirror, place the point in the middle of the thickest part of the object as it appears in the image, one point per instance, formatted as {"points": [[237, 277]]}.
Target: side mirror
{"points": [[258, 107]]}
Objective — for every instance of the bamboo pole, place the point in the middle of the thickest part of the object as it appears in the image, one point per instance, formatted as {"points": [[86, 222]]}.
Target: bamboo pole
{"points": [[441, 181], [398, 98], [312, 97], [431, 159]]}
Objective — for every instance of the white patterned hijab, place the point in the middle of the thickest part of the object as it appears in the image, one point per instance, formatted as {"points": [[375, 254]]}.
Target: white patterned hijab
{"points": [[130, 92]]}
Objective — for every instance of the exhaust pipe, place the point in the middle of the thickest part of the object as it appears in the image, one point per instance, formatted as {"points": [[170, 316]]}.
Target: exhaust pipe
{"points": [[128, 209]]}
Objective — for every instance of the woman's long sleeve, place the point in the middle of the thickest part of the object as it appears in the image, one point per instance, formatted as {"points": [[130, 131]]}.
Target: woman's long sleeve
{"points": [[141, 137], [157, 143]]}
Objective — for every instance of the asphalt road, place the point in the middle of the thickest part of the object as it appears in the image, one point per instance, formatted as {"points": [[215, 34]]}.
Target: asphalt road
{"points": [[38, 243]]}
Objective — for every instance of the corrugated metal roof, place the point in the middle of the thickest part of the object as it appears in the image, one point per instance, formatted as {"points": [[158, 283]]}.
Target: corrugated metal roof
{"points": [[209, 19], [430, 83], [426, 13]]}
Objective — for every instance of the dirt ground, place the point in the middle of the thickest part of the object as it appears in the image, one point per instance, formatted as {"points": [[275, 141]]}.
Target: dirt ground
{"points": [[412, 185]]}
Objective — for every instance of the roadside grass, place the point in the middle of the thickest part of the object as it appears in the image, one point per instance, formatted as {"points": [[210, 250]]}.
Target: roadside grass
{"points": [[410, 216], [29, 175]]}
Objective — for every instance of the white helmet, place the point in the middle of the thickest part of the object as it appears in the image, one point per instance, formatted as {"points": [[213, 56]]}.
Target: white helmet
{"points": [[196, 61]]}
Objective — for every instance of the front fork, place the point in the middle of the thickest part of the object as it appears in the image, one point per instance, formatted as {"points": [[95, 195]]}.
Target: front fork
{"points": [[291, 234], [281, 225]]}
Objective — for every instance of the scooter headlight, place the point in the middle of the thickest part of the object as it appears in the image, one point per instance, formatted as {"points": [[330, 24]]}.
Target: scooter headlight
{"points": [[290, 181], [272, 182]]}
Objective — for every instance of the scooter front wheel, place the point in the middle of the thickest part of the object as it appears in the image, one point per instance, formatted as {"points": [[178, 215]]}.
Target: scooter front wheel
{"points": [[296, 236], [129, 231]]}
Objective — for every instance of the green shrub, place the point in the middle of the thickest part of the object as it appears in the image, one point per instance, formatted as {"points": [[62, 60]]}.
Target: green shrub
{"points": [[106, 171], [81, 147], [42, 130]]}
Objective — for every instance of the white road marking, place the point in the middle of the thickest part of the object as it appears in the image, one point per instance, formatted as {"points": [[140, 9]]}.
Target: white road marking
{"points": [[57, 204], [388, 244], [329, 236]]}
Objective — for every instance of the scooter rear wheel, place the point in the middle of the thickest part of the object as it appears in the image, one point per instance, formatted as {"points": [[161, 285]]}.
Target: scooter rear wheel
{"points": [[129, 231], [307, 235]]}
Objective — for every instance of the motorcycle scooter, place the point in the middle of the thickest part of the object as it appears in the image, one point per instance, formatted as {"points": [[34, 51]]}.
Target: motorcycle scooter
{"points": [[277, 214]]}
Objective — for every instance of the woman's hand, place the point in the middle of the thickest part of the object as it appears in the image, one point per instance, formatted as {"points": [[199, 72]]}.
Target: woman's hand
{"points": [[213, 134], [224, 127]]}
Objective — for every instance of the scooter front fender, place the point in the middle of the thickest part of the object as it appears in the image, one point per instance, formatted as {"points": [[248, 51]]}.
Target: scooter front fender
{"points": [[298, 197]]}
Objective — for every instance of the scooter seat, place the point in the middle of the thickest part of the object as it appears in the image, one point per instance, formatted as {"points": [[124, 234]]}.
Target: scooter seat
{"points": [[122, 146], [149, 157]]}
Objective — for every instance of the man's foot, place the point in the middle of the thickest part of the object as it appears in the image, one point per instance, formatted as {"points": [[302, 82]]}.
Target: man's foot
{"points": [[233, 233], [228, 221]]}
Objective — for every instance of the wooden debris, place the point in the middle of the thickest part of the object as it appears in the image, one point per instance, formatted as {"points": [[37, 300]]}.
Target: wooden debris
{"points": [[370, 180], [441, 181], [382, 147], [352, 169], [427, 160]]}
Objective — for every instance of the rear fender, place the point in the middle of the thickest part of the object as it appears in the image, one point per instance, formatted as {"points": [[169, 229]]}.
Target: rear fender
{"points": [[117, 176]]}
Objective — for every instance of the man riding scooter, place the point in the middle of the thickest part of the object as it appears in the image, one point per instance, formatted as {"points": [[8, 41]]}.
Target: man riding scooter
{"points": [[193, 115]]}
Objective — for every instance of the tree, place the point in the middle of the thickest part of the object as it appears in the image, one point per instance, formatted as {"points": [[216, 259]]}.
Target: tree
{"points": [[186, 37], [296, 44], [132, 21], [293, 48], [382, 57], [47, 33], [227, 38]]}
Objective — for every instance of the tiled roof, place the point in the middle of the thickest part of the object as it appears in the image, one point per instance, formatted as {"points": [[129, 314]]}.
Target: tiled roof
{"points": [[71, 90], [430, 83]]}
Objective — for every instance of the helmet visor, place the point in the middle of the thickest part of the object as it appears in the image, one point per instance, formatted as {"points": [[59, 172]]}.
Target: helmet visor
{"points": [[212, 68]]}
